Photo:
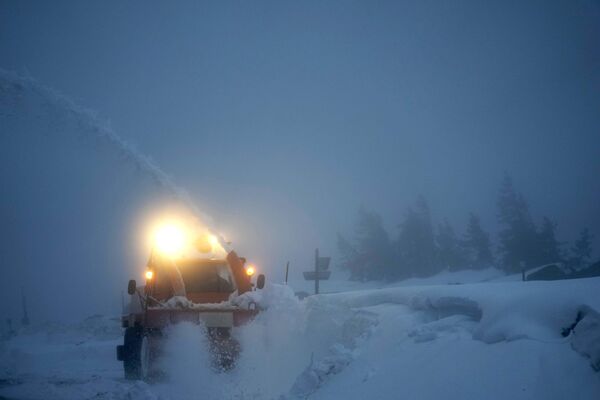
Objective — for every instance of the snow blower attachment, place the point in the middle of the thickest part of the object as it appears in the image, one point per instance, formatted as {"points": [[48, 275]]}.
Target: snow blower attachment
{"points": [[185, 286]]}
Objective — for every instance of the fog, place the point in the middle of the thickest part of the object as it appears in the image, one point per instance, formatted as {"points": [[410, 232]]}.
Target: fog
{"points": [[277, 120]]}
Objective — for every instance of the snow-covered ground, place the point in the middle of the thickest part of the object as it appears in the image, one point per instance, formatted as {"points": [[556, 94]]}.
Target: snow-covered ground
{"points": [[496, 339]]}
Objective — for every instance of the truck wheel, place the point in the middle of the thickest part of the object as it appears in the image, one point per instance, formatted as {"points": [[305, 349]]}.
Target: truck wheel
{"points": [[225, 349], [145, 358], [132, 351]]}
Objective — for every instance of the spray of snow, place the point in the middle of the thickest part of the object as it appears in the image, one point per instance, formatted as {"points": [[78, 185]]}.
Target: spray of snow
{"points": [[81, 197], [275, 347], [290, 349], [273, 353], [187, 364], [11, 87]]}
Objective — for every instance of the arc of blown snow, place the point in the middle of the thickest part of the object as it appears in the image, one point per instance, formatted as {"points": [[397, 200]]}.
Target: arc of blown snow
{"points": [[103, 130]]}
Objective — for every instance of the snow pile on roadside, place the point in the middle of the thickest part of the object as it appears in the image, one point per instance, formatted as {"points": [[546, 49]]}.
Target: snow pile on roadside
{"points": [[317, 373], [508, 310], [491, 340], [586, 336], [343, 329]]}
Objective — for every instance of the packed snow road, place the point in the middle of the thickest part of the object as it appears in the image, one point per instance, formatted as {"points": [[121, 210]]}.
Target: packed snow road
{"points": [[488, 340]]}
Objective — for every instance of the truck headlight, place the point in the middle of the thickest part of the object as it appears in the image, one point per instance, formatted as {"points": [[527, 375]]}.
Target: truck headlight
{"points": [[169, 240]]}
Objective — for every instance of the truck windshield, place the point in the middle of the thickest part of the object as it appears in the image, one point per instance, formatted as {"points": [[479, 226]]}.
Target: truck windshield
{"points": [[200, 276]]}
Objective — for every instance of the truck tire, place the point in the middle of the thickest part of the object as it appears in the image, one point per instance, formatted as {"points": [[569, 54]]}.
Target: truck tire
{"points": [[132, 346], [224, 348]]}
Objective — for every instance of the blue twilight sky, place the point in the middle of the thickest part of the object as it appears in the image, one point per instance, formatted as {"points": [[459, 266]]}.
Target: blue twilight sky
{"points": [[282, 117]]}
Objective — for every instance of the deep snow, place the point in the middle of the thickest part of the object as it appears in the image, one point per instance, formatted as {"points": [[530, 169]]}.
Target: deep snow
{"points": [[492, 340]]}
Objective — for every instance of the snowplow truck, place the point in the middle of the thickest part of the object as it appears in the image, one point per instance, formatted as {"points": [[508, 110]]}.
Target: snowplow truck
{"points": [[193, 290]]}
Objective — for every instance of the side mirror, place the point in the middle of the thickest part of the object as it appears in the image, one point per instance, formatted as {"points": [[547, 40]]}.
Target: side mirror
{"points": [[131, 286], [260, 281]]}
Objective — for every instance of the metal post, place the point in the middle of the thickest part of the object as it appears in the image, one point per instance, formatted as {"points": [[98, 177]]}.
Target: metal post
{"points": [[316, 271], [25, 319], [10, 333], [287, 269]]}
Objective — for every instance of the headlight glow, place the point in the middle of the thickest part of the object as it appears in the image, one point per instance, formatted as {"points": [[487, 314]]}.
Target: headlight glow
{"points": [[250, 270], [169, 240], [212, 239], [149, 275]]}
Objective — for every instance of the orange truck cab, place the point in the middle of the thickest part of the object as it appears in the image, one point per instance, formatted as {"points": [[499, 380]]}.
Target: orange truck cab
{"points": [[194, 289]]}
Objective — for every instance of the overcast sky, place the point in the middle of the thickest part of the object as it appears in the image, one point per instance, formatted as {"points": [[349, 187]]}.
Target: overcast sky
{"points": [[281, 118]]}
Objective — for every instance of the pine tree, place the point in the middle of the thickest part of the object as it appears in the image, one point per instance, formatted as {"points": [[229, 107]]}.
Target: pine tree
{"points": [[416, 246], [548, 246], [370, 255], [582, 249], [477, 244], [450, 253], [373, 244], [348, 257], [518, 238], [406, 243]]}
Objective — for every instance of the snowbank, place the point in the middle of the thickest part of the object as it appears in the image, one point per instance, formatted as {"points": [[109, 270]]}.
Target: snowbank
{"points": [[488, 340], [505, 311], [586, 336]]}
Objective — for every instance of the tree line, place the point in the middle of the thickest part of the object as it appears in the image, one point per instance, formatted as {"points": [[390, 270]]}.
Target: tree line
{"points": [[419, 249]]}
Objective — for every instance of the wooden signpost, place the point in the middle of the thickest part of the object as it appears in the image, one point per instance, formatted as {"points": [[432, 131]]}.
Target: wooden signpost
{"points": [[320, 272]]}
